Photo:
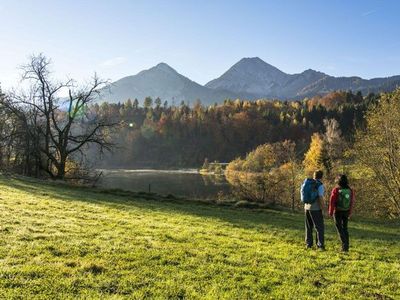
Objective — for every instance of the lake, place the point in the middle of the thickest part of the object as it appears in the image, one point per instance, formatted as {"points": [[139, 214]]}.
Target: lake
{"points": [[182, 182]]}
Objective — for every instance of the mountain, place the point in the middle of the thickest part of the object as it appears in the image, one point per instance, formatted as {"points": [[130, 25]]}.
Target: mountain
{"points": [[250, 78], [164, 82], [258, 78], [261, 80], [329, 83]]}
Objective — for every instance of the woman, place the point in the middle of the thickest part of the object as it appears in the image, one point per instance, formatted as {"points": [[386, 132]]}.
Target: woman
{"points": [[340, 207]]}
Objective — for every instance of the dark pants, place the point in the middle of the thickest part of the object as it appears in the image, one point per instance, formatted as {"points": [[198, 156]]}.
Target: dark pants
{"points": [[341, 219], [314, 220]]}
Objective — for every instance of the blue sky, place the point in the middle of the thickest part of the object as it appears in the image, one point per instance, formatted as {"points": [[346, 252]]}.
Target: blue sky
{"points": [[200, 39]]}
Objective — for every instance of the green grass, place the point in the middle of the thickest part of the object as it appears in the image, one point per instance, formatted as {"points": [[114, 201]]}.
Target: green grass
{"points": [[65, 242]]}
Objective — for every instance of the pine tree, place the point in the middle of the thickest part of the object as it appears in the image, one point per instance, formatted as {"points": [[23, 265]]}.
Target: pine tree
{"points": [[157, 102], [148, 102]]}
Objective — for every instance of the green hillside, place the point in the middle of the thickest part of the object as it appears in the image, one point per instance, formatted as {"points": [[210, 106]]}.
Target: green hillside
{"points": [[63, 242]]}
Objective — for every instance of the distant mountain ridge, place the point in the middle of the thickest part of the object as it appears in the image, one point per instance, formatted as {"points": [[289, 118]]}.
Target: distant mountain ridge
{"points": [[250, 78], [256, 77], [164, 82]]}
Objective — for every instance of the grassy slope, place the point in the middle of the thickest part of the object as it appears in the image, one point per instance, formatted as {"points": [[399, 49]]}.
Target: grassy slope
{"points": [[74, 243]]}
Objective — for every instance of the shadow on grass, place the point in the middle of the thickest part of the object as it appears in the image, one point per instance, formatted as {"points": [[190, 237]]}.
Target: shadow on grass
{"points": [[244, 218]]}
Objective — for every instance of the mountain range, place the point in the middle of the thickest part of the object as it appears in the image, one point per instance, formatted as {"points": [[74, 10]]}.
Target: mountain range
{"points": [[250, 78]]}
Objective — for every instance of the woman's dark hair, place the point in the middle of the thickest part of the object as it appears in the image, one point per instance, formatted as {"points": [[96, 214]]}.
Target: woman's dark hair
{"points": [[342, 181], [318, 174]]}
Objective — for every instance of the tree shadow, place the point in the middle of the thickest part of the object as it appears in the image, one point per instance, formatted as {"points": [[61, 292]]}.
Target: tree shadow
{"points": [[260, 220]]}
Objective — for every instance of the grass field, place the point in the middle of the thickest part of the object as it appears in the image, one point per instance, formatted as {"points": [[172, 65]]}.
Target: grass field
{"points": [[64, 242]]}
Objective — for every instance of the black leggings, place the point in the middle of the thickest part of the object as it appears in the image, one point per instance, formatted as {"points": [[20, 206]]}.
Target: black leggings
{"points": [[341, 219]]}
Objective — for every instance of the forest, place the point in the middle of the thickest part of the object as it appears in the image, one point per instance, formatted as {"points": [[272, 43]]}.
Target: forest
{"points": [[157, 134]]}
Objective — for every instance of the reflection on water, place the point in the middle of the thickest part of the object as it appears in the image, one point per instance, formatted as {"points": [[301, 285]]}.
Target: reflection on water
{"points": [[182, 182]]}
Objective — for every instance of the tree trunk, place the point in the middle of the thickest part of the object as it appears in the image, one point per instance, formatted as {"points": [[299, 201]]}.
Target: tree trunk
{"points": [[61, 168]]}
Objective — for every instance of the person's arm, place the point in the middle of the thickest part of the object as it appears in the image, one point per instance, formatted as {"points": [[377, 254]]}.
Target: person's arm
{"points": [[322, 205], [333, 201], [321, 192], [321, 200]]}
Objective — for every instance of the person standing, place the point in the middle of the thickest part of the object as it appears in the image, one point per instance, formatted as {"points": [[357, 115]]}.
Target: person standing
{"points": [[312, 194], [340, 207]]}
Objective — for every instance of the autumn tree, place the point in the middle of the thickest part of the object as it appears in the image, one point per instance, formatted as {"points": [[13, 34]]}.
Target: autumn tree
{"points": [[289, 171], [267, 174], [316, 158], [378, 149]]}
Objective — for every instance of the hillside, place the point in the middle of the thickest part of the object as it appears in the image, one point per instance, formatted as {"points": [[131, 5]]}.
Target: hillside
{"points": [[63, 242]]}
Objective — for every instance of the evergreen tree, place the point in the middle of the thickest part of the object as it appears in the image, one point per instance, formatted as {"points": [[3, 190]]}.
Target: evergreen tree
{"points": [[148, 102], [157, 102], [136, 104]]}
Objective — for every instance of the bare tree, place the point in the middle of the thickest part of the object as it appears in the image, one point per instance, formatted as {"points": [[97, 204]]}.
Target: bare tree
{"points": [[334, 139], [58, 127]]}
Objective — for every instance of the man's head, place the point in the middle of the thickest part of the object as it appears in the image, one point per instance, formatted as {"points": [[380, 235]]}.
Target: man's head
{"points": [[318, 174]]}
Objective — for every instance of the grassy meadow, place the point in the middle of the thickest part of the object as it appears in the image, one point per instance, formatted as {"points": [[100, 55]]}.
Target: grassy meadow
{"points": [[61, 242]]}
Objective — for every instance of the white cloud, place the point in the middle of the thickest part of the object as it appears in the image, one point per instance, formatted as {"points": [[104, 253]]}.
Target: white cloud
{"points": [[112, 62], [367, 13]]}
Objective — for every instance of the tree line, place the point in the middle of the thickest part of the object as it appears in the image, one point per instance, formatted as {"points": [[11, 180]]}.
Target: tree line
{"points": [[160, 135]]}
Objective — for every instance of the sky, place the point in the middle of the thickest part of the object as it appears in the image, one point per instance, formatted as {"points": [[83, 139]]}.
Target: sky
{"points": [[199, 39]]}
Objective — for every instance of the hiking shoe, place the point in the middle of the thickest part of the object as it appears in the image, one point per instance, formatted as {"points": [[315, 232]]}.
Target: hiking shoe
{"points": [[321, 248]]}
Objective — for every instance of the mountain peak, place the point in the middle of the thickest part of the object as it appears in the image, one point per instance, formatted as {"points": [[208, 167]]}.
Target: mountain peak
{"points": [[255, 59], [311, 71], [250, 75], [256, 65], [164, 67]]}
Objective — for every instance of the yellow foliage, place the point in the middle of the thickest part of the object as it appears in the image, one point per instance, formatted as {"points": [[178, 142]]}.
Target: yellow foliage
{"points": [[313, 158], [378, 150]]}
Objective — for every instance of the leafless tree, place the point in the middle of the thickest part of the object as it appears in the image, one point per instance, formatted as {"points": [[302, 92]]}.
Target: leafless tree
{"points": [[334, 139], [59, 128]]}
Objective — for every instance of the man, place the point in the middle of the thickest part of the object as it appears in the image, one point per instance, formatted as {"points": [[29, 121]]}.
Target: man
{"points": [[314, 218]]}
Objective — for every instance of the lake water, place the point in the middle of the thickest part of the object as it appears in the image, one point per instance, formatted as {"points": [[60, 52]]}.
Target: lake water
{"points": [[183, 182]]}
